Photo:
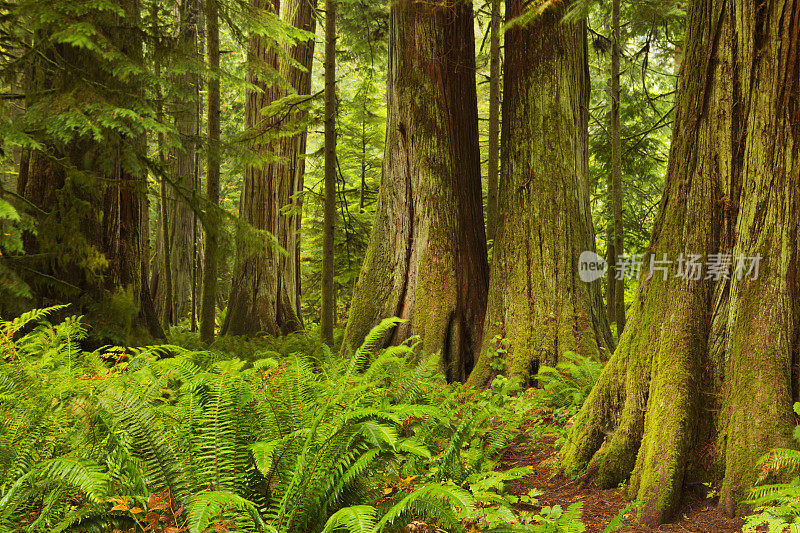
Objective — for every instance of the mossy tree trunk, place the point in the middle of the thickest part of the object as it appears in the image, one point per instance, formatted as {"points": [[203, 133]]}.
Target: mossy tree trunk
{"points": [[536, 299], [265, 296], [701, 383], [90, 197], [426, 261]]}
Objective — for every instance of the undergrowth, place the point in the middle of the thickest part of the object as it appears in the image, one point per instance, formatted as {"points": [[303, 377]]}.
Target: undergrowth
{"points": [[287, 438], [776, 496]]}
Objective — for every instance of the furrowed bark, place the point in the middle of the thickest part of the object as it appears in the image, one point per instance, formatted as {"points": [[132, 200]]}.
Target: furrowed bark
{"points": [[426, 261], [328, 312], [536, 299], [265, 297], [701, 385], [208, 310]]}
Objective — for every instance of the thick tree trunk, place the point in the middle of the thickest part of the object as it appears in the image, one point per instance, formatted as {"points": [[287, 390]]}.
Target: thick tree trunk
{"points": [[265, 297], [290, 166], [426, 261], [208, 309], [92, 203], [181, 187], [495, 29], [701, 383], [536, 298], [328, 302]]}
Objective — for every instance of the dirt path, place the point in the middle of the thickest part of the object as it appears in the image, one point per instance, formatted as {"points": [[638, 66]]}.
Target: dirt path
{"points": [[698, 514]]}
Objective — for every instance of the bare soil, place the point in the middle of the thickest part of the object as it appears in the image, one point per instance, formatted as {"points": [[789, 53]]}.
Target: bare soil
{"points": [[697, 514]]}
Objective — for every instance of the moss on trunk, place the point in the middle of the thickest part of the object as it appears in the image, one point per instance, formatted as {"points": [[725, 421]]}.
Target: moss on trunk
{"points": [[536, 299], [426, 261], [700, 385]]}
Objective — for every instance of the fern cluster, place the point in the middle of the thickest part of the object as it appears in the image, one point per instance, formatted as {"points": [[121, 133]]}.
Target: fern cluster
{"points": [[99, 441], [777, 504], [567, 385]]}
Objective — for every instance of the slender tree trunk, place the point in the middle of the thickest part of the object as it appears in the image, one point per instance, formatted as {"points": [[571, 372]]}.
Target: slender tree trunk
{"points": [[426, 261], [169, 302], [196, 267], [265, 297], [209, 304], [611, 282], [536, 299], [363, 191], [495, 29], [328, 314], [701, 383], [616, 167], [24, 170]]}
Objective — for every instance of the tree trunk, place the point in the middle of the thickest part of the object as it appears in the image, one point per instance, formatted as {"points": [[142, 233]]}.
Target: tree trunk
{"points": [[701, 383], [181, 187], [611, 282], [93, 213], [208, 310], [265, 297], [495, 29], [616, 169], [426, 261], [328, 314], [536, 298], [290, 166], [24, 171]]}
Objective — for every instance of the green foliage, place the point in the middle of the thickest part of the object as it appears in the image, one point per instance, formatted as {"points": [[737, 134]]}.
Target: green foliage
{"points": [[194, 441], [568, 385], [11, 286]]}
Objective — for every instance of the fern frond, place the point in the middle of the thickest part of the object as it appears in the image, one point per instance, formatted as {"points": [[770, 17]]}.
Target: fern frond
{"points": [[83, 474], [770, 493], [448, 494], [11, 327], [778, 460], [356, 519], [208, 506], [373, 341]]}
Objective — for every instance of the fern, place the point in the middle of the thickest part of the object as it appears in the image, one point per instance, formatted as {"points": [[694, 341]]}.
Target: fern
{"points": [[210, 506], [356, 519]]}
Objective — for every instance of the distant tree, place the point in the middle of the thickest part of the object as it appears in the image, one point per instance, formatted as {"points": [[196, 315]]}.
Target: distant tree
{"points": [[703, 380], [536, 299], [426, 261], [265, 295], [183, 104], [617, 291]]}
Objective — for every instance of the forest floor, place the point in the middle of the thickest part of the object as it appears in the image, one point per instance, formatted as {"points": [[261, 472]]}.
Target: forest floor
{"points": [[698, 514]]}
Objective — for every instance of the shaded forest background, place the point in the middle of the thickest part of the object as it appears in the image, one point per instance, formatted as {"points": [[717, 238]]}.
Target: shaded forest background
{"points": [[172, 99]]}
